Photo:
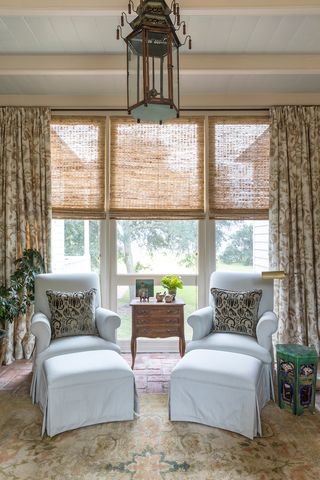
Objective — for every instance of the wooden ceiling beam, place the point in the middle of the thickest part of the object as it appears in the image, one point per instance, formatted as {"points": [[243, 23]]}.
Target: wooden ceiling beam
{"points": [[195, 64], [195, 102]]}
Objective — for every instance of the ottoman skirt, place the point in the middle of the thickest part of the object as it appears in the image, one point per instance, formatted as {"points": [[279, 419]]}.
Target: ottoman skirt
{"points": [[86, 388], [220, 389]]}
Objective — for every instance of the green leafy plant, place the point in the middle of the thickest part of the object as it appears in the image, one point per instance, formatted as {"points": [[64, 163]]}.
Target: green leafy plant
{"points": [[15, 298], [171, 282], [10, 305]]}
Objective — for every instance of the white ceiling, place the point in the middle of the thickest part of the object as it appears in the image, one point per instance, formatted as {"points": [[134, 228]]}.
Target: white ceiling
{"points": [[65, 53], [211, 34]]}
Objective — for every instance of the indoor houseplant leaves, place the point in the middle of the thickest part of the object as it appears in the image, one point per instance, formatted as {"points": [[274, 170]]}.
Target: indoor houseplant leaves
{"points": [[10, 307], [19, 295], [171, 283], [27, 267]]}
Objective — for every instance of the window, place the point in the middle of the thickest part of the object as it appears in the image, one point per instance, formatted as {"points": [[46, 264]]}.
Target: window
{"points": [[242, 245], [156, 196], [78, 192], [158, 218], [158, 246], [239, 191], [151, 249], [75, 245]]}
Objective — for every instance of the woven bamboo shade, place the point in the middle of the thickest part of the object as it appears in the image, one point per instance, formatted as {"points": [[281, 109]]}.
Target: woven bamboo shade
{"points": [[78, 167], [157, 171], [239, 167]]}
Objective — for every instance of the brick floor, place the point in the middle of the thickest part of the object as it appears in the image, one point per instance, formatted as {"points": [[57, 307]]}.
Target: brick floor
{"points": [[152, 373]]}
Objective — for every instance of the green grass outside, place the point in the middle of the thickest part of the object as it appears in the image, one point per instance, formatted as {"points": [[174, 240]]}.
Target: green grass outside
{"points": [[236, 267]]}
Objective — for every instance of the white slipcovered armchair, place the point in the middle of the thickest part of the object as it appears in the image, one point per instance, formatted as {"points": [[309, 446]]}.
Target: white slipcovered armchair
{"points": [[106, 322], [202, 322]]}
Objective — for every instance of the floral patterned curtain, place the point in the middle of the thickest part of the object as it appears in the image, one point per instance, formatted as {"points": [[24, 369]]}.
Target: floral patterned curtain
{"points": [[25, 202], [295, 221]]}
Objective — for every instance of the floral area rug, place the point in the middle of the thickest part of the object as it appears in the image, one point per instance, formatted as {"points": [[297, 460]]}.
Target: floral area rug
{"points": [[153, 448]]}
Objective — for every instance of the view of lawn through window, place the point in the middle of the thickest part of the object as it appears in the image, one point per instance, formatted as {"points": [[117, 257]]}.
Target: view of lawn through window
{"points": [[242, 245], [75, 246], [156, 247]]}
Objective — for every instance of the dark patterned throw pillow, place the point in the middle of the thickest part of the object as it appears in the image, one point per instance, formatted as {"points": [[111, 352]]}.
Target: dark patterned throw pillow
{"points": [[236, 312], [72, 313]]}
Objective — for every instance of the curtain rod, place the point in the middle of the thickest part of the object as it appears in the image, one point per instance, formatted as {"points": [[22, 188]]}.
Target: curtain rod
{"points": [[181, 109]]}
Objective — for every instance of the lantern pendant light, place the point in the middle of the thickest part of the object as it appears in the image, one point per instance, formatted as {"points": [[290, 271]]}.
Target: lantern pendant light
{"points": [[153, 60]]}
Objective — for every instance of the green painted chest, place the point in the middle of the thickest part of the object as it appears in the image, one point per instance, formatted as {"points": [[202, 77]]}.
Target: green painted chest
{"points": [[297, 376]]}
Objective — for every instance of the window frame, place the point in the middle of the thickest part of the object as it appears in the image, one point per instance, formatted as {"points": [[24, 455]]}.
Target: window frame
{"points": [[124, 279]]}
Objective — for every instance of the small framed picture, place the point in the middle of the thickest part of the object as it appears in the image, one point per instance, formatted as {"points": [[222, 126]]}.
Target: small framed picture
{"points": [[144, 288]]}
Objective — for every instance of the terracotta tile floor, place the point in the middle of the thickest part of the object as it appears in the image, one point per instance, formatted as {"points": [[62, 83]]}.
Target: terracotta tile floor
{"points": [[152, 373]]}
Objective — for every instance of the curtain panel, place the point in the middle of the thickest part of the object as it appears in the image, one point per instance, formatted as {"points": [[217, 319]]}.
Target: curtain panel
{"points": [[295, 221], [25, 202]]}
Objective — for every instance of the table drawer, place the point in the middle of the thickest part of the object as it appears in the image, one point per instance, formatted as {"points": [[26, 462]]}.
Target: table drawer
{"points": [[155, 311], [160, 331], [156, 321]]}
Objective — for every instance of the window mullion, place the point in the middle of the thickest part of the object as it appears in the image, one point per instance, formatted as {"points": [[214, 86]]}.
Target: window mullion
{"points": [[112, 253]]}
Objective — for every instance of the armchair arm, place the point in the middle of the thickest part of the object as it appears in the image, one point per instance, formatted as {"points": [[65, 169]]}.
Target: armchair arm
{"points": [[41, 329], [201, 321], [107, 322], [266, 326]]}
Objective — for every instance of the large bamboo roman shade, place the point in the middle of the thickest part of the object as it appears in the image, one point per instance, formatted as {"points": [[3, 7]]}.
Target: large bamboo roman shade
{"points": [[239, 167], [78, 167], [157, 171]]}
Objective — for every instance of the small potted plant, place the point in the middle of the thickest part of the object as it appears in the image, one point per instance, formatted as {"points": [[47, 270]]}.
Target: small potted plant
{"points": [[171, 283]]}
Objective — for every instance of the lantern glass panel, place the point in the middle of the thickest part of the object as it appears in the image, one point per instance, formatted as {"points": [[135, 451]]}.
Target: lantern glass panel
{"points": [[175, 73], [158, 66], [135, 70]]}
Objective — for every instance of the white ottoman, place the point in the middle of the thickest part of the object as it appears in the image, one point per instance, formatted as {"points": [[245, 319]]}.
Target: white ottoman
{"points": [[220, 389], [86, 388]]}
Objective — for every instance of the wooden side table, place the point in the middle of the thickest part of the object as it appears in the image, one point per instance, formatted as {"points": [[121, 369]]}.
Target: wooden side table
{"points": [[157, 320]]}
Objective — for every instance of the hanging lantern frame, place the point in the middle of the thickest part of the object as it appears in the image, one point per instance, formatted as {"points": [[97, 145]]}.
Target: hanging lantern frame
{"points": [[171, 99], [153, 83]]}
